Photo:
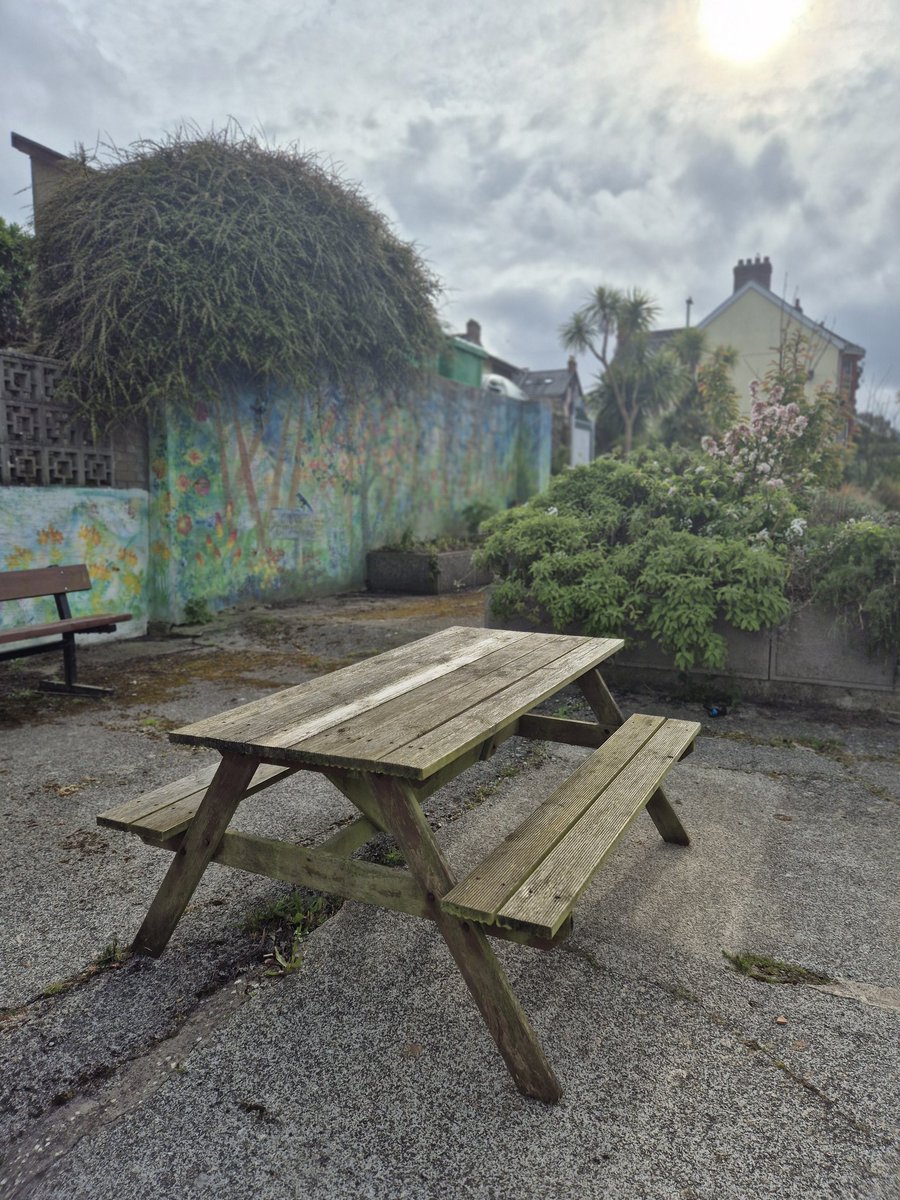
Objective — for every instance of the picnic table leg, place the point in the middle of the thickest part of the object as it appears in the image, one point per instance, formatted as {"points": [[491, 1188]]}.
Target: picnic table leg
{"points": [[200, 843], [394, 806], [608, 712]]}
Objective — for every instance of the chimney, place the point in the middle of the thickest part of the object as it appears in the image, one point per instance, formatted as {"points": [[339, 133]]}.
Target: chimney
{"points": [[473, 332], [753, 270], [572, 365]]}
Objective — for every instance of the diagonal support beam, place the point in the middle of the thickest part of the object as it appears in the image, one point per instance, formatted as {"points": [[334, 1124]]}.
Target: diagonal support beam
{"points": [[200, 843], [393, 806], [607, 712]]}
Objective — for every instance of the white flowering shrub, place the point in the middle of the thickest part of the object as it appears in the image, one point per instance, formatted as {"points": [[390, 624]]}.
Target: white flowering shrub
{"points": [[670, 543]]}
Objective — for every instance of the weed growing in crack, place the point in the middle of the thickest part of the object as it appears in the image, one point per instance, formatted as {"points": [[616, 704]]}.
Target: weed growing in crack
{"points": [[770, 970], [283, 927]]}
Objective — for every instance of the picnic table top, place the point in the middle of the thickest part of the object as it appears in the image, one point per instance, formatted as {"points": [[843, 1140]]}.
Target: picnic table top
{"points": [[409, 711]]}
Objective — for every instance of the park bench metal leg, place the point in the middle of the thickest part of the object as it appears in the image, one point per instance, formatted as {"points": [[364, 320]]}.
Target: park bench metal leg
{"points": [[607, 712], [225, 792], [393, 805]]}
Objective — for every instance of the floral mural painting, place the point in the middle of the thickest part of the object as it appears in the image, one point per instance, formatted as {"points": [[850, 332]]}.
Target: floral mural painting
{"points": [[268, 495], [105, 529]]}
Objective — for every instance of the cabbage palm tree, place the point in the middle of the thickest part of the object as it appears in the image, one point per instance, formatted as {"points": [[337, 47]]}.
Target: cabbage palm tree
{"points": [[614, 326]]}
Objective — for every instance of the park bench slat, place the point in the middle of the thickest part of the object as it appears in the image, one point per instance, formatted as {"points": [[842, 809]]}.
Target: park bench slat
{"points": [[44, 581], [533, 880], [27, 640], [168, 810], [71, 625], [300, 712], [374, 736]]}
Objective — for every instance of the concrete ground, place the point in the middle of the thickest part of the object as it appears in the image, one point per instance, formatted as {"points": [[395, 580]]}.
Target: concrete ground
{"points": [[366, 1071]]}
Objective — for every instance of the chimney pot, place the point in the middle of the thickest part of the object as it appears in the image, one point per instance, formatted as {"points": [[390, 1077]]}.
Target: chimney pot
{"points": [[572, 364], [473, 332], [756, 271]]}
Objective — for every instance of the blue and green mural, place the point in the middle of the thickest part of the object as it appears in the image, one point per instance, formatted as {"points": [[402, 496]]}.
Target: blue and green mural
{"points": [[270, 495], [104, 528]]}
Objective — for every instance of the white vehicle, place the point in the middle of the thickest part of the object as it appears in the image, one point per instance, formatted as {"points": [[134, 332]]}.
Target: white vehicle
{"points": [[499, 385]]}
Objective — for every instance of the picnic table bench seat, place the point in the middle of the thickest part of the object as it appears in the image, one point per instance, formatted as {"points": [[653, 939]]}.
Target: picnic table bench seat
{"points": [[57, 582], [165, 812], [533, 879]]}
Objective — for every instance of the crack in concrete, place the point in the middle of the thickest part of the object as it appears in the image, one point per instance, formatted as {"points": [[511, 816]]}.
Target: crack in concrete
{"points": [[688, 997], [135, 1081]]}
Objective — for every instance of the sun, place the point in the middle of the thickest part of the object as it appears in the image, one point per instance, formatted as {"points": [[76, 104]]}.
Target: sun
{"points": [[747, 30]]}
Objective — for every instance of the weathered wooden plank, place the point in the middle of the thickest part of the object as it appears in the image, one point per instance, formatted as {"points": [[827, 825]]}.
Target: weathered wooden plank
{"points": [[367, 883], [394, 807], [101, 623], [561, 729], [288, 717], [603, 705], [200, 843], [546, 897], [350, 837], [168, 810], [430, 752], [497, 877], [372, 737], [370, 883], [44, 581]]}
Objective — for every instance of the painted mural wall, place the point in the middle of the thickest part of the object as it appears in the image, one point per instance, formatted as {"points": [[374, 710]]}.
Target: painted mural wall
{"points": [[105, 528], [267, 495]]}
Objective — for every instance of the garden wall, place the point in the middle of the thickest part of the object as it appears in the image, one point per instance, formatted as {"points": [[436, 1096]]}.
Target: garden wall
{"points": [[106, 528], [815, 657], [275, 496]]}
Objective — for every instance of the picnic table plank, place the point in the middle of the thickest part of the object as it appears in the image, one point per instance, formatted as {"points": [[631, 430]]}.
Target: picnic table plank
{"points": [[431, 751], [372, 736], [156, 811], [497, 877], [545, 899], [287, 717]]}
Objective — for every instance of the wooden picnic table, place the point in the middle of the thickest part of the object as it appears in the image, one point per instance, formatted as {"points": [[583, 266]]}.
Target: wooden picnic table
{"points": [[388, 732]]}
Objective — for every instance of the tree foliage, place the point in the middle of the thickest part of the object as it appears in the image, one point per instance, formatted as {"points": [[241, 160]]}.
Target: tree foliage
{"points": [[637, 379], [16, 261], [709, 403], [672, 542], [171, 267]]}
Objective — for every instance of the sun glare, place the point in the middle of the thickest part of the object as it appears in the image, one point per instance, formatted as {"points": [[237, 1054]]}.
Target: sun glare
{"points": [[747, 30]]}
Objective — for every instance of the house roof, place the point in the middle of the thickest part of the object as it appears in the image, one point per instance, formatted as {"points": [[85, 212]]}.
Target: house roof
{"points": [[41, 154], [790, 310], [547, 384], [657, 338]]}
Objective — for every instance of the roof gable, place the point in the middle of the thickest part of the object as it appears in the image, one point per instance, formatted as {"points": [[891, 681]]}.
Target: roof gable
{"points": [[549, 384], [789, 310]]}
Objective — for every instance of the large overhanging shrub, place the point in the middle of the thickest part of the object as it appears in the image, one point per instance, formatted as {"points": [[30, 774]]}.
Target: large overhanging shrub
{"points": [[670, 543], [171, 268]]}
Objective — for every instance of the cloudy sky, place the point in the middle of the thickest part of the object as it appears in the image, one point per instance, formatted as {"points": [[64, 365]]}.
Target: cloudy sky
{"points": [[531, 150]]}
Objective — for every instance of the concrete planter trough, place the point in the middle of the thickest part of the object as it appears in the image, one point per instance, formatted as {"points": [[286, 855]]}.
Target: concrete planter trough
{"points": [[423, 572], [814, 657]]}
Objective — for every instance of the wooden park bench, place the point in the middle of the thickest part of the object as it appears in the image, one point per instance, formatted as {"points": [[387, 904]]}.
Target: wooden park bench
{"points": [[388, 733], [56, 582]]}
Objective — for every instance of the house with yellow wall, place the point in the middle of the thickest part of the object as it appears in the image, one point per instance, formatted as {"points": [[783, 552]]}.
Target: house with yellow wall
{"points": [[758, 323]]}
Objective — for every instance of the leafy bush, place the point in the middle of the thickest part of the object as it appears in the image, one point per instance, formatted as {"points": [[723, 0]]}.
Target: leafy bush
{"points": [[649, 547], [670, 543], [16, 259], [855, 568]]}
